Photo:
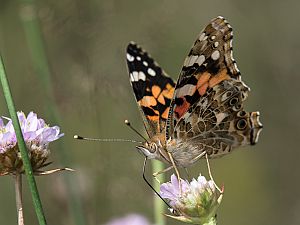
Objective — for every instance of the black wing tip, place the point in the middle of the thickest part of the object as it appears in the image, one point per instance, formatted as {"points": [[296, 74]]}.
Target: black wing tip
{"points": [[131, 46], [134, 49]]}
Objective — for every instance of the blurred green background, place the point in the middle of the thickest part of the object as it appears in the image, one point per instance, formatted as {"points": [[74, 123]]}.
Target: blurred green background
{"points": [[85, 44]]}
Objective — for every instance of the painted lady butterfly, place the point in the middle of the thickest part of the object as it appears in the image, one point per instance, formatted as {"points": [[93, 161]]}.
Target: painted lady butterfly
{"points": [[203, 113]]}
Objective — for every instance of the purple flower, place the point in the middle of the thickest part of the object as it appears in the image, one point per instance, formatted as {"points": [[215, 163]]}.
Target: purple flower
{"points": [[171, 190], [195, 202], [131, 219], [37, 136]]}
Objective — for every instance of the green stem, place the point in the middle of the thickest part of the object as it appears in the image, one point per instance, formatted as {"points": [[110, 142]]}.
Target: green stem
{"points": [[19, 199], [22, 146], [159, 205], [35, 42]]}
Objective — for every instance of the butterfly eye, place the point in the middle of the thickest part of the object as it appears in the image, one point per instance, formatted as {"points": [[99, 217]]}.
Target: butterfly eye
{"points": [[241, 124], [152, 147]]}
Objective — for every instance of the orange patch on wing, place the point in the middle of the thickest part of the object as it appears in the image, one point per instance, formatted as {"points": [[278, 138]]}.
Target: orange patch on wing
{"points": [[156, 90], [202, 83], [161, 99], [223, 75], [165, 113], [148, 101], [203, 89], [168, 92], [204, 77], [181, 109]]}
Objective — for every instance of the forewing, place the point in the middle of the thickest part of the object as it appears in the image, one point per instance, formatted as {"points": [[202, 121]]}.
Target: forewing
{"points": [[202, 117], [152, 87]]}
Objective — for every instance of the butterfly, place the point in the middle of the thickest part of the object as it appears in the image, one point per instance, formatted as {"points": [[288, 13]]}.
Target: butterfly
{"points": [[203, 113]]}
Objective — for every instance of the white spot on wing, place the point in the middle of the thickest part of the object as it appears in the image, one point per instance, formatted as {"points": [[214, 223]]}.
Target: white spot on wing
{"points": [[142, 76], [138, 58], [200, 60], [192, 60], [215, 55], [135, 75], [201, 37], [216, 44], [151, 72], [213, 37], [130, 58], [220, 117], [145, 63]]}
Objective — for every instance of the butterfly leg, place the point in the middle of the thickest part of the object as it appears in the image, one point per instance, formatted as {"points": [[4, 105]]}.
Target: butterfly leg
{"points": [[210, 175], [160, 172], [198, 157], [176, 170]]}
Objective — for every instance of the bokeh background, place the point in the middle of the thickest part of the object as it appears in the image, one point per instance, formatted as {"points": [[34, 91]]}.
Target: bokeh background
{"points": [[85, 45]]}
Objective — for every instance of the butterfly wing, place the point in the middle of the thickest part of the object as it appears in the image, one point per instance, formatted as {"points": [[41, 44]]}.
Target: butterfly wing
{"points": [[207, 109], [152, 87]]}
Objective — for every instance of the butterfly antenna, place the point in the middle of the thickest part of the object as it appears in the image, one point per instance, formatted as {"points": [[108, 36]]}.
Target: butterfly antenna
{"points": [[132, 128], [105, 139]]}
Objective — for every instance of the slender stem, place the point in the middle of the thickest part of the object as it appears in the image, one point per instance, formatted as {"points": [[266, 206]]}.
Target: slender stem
{"points": [[19, 200], [22, 147], [159, 205], [35, 42]]}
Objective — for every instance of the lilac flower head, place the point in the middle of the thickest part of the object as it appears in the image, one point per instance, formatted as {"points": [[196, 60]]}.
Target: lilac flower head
{"points": [[171, 190], [37, 136], [131, 219], [195, 202]]}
